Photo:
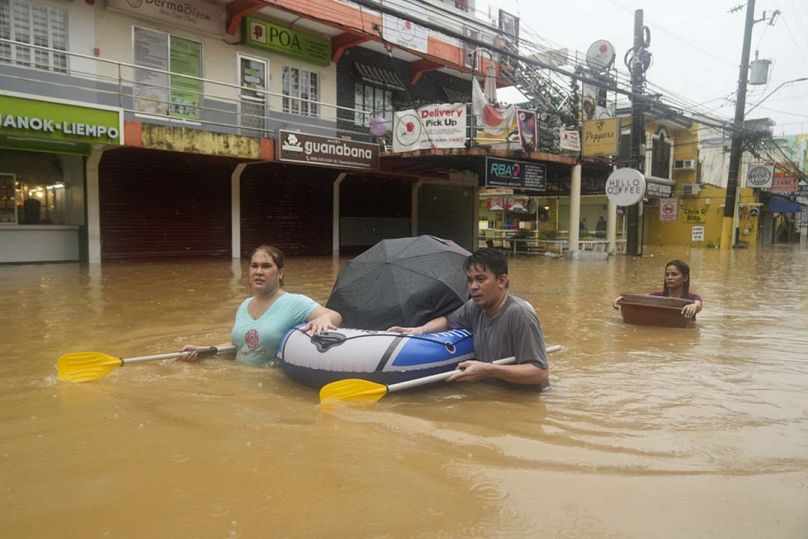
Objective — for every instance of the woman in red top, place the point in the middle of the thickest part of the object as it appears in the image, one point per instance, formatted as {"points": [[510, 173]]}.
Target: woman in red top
{"points": [[676, 285]]}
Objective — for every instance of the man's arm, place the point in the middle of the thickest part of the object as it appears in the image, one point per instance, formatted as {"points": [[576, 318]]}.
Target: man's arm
{"points": [[525, 373], [433, 326]]}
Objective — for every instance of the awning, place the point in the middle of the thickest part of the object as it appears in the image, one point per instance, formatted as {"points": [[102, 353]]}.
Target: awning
{"points": [[457, 96], [784, 205], [381, 77]]}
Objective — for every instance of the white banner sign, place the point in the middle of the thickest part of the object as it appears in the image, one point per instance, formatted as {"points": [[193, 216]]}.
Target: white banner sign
{"points": [[404, 32], [438, 126], [697, 233]]}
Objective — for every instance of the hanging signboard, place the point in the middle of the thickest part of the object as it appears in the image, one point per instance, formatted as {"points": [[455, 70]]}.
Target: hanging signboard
{"points": [[515, 174], [432, 126], [668, 209], [326, 151], [528, 136], [625, 186], [658, 190], [785, 179], [759, 175], [600, 137]]}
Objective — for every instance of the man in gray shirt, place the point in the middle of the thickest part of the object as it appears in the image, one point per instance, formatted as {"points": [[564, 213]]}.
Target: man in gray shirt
{"points": [[503, 326]]}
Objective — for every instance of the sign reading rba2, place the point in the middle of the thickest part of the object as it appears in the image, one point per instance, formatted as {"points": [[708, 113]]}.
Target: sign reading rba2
{"points": [[31, 118], [328, 152], [759, 175], [625, 186], [515, 174]]}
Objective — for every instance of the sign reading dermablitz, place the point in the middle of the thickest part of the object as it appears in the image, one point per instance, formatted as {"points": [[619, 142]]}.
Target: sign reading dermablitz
{"points": [[268, 36], [45, 120], [328, 152], [515, 174]]}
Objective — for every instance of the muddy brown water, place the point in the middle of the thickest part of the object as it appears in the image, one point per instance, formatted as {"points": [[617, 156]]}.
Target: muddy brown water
{"points": [[646, 432]]}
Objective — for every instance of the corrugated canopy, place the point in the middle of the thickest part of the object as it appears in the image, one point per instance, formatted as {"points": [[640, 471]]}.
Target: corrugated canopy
{"points": [[380, 76]]}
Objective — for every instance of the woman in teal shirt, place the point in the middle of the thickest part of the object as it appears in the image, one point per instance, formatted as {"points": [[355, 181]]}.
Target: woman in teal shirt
{"points": [[263, 319]]}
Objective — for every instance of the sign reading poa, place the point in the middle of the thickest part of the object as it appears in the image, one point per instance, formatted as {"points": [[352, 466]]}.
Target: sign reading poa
{"points": [[625, 186]]}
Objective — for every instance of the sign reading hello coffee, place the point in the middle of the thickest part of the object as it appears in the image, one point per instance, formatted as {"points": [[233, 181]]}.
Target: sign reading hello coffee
{"points": [[625, 186], [296, 147]]}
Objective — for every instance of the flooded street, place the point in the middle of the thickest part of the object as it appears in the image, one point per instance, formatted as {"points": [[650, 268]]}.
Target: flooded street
{"points": [[645, 432]]}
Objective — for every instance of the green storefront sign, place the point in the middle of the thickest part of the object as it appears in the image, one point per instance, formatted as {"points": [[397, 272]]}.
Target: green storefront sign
{"points": [[268, 36], [43, 125]]}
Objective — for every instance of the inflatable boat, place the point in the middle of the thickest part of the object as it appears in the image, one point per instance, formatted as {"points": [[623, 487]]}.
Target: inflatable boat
{"points": [[645, 310], [379, 356]]}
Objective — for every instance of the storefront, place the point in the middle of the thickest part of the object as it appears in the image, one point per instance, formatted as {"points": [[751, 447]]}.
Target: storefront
{"points": [[43, 149]]}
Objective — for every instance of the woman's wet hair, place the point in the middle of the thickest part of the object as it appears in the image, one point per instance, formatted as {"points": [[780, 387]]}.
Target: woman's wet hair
{"points": [[684, 269], [488, 258]]}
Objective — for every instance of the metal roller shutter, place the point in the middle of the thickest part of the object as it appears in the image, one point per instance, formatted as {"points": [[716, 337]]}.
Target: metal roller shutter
{"points": [[164, 204]]}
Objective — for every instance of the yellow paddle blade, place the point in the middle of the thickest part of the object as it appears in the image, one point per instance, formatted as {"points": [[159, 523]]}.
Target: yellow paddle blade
{"points": [[85, 366], [353, 390]]}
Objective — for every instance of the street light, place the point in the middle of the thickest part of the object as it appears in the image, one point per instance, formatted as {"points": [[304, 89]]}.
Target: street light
{"points": [[767, 96]]}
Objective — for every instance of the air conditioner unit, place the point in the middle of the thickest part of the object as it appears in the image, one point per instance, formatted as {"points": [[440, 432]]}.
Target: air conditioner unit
{"points": [[684, 164], [691, 190]]}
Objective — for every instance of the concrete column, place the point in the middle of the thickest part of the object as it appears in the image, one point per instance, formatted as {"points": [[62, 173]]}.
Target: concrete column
{"points": [[611, 226], [335, 214], [575, 207], [93, 207], [235, 211]]}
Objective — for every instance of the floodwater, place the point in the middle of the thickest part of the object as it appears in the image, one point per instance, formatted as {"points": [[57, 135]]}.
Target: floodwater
{"points": [[645, 432]]}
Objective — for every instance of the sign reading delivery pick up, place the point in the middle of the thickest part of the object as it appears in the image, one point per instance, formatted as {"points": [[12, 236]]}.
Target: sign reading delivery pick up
{"points": [[625, 186]]}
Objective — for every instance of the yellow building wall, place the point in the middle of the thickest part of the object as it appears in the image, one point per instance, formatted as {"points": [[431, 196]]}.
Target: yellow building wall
{"points": [[705, 209]]}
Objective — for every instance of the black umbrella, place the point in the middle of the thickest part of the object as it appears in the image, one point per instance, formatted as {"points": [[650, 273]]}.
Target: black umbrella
{"points": [[401, 282]]}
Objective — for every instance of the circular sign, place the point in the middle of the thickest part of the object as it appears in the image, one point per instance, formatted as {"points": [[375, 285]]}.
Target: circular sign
{"points": [[759, 176], [625, 186], [600, 55], [408, 130]]}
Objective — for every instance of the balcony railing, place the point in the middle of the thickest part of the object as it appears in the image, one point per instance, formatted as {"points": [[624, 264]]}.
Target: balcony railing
{"points": [[161, 97]]}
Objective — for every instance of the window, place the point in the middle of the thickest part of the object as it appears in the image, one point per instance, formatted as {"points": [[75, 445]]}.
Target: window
{"points": [[156, 92], [33, 24], [661, 155], [304, 85], [372, 100]]}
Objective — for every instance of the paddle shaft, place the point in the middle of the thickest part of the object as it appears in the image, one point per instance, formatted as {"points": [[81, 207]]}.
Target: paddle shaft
{"points": [[444, 375], [210, 351]]}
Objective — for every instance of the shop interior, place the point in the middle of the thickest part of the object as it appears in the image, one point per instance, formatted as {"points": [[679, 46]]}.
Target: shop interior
{"points": [[41, 188], [510, 219]]}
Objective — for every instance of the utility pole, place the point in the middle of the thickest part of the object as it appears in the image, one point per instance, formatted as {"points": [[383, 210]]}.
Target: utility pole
{"points": [[727, 233], [637, 62]]}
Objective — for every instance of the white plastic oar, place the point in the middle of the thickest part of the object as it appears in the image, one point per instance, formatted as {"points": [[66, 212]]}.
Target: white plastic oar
{"points": [[358, 390], [88, 366]]}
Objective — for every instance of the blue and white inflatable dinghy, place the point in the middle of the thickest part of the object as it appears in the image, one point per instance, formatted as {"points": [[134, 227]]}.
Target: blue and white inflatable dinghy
{"points": [[379, 356]]}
